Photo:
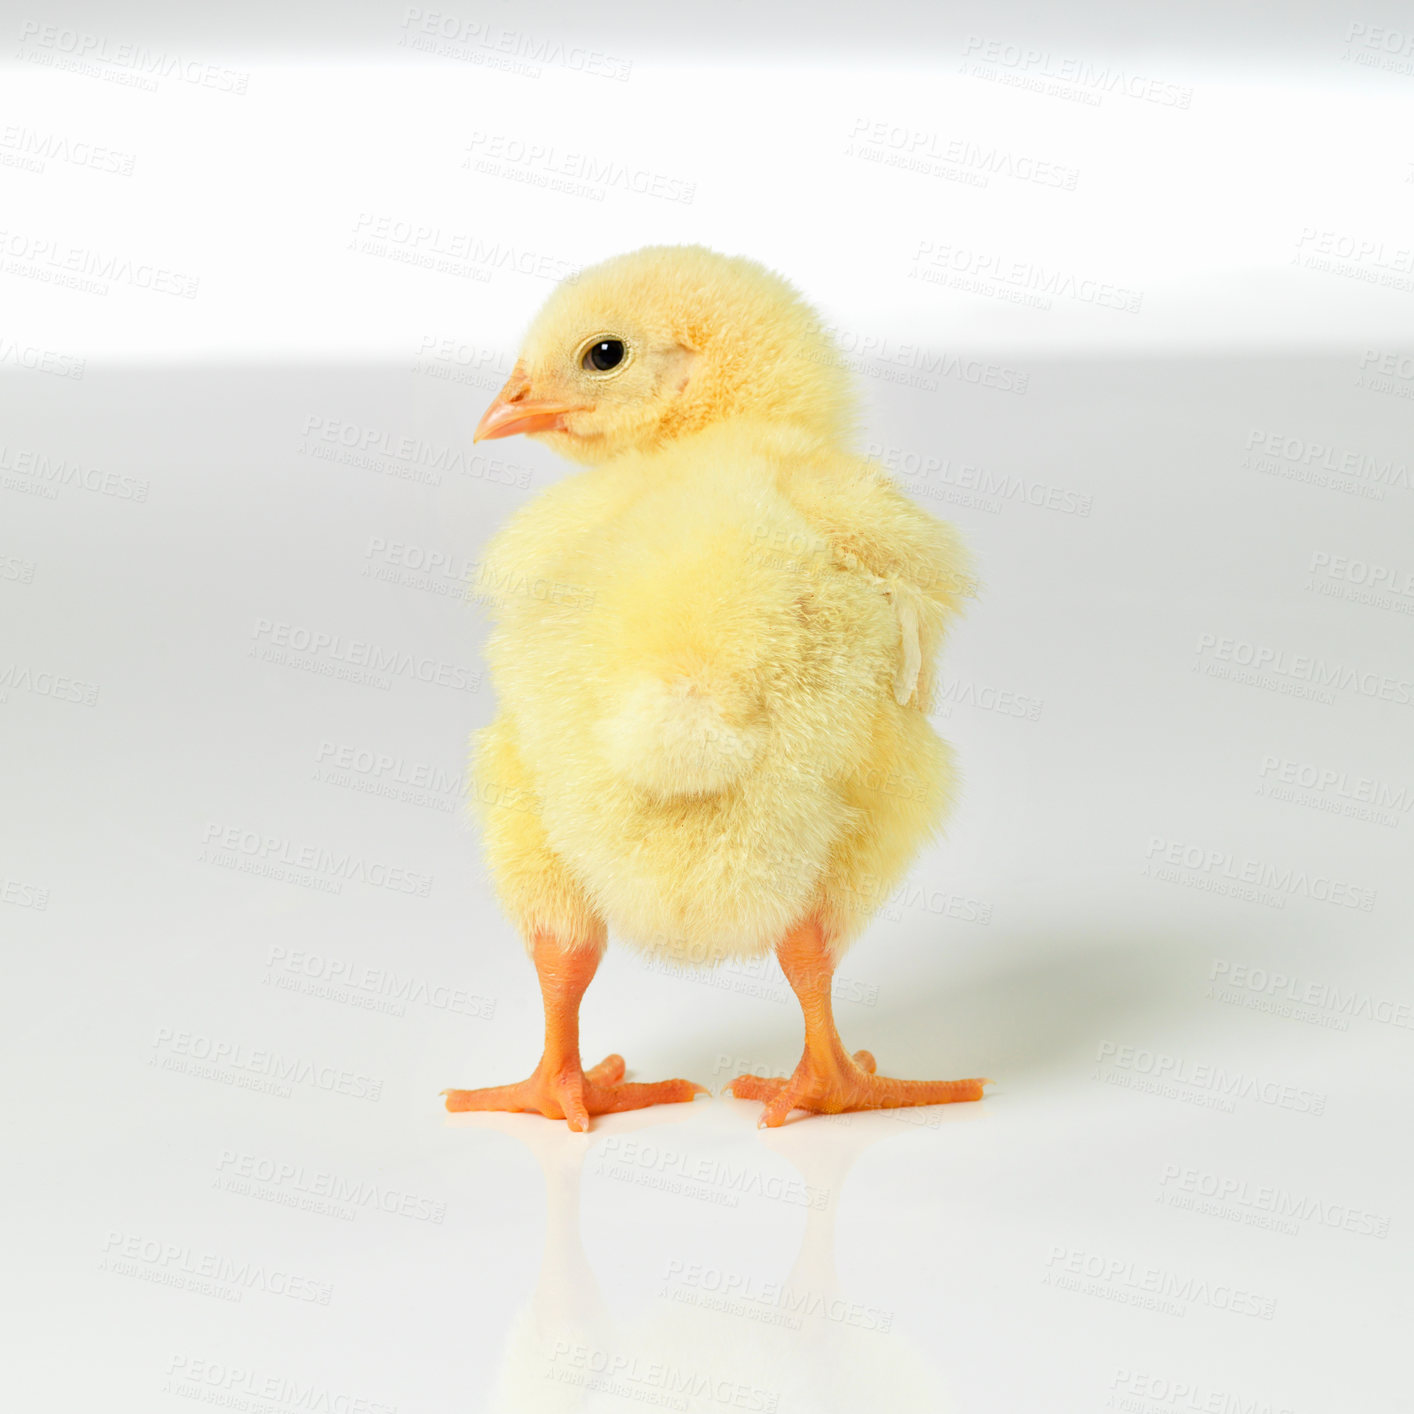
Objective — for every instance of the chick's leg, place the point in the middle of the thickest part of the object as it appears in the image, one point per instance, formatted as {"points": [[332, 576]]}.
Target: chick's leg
{"points": [[560, 1088], [828, 1079]]}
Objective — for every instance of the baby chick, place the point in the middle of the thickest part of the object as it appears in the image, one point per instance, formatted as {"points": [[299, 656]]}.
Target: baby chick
{"points": [[713, 657]]}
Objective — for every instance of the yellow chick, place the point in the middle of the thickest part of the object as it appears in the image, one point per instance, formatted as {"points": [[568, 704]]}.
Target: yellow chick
{"points": [[713, 657]]}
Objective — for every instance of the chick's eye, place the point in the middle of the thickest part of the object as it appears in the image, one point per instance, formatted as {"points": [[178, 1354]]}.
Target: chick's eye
{"points": [[606, 354]]}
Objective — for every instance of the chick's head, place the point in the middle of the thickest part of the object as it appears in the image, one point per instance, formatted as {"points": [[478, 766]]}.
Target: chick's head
{"points": [[666, 341]]}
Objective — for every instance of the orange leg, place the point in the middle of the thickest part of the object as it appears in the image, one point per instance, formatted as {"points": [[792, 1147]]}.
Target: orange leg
{"points": [[829, 1080], [559, 1087]]}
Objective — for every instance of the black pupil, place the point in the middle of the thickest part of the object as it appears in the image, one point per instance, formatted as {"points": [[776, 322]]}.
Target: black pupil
{"points": [[606, 354]]}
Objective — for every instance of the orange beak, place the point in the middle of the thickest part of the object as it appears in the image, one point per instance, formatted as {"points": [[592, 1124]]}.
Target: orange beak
{"points": [[514, 410]]}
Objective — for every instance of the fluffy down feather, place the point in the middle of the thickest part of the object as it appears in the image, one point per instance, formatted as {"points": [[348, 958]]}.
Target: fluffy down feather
{"points": [[713, 657]]}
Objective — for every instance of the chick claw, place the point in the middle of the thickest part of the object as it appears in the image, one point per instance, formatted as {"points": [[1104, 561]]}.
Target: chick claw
{"points": [[573, 1094], [845, 1084]]}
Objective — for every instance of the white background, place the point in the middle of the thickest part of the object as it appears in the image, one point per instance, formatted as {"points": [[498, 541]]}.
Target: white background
{"points": [[1188, 1189]]}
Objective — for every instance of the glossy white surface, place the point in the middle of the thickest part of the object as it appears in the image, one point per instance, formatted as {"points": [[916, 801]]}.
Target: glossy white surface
{"points": [[247, 936], [174, 1210]]}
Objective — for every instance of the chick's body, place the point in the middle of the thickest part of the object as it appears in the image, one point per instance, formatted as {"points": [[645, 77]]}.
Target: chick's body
{"points": [[700, 735], [713, 658]]}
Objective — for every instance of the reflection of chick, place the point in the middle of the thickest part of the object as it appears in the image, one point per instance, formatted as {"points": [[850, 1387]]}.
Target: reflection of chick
{"points": [[712, 1337], [713, 657]]}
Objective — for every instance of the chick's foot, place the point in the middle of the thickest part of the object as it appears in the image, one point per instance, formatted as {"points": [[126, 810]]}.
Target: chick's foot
{"points": [[560, 1088], [828, 1079], [838, 1083], [572, 1094]]}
